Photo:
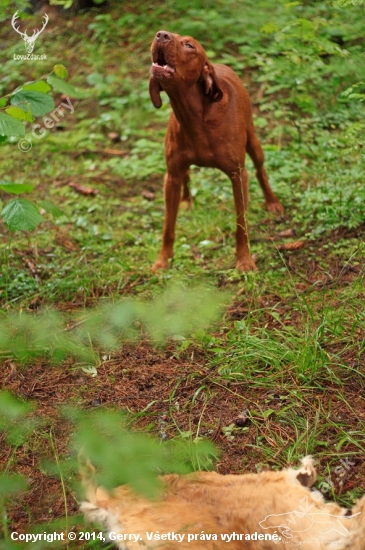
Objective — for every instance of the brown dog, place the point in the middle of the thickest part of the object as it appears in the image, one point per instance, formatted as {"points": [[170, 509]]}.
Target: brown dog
{"points": [[211, 125], [205, 510]]}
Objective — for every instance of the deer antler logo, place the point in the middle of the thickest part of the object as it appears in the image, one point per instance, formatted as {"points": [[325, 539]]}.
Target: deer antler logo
{"points": [[29, 40]]}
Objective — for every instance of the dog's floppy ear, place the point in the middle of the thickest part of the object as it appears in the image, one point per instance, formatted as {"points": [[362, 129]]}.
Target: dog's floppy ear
{"points": [[155, 89], [211, 83]]}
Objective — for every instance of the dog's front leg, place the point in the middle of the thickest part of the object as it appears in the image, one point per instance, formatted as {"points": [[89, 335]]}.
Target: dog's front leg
{"points": [[240, 193], [172, 194]]}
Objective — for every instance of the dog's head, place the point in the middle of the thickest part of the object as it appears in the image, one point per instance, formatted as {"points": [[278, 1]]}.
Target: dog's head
{"points": [[180, 61]]}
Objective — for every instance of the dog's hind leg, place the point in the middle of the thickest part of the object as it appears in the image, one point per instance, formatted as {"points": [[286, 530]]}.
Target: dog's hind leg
{"points": [[255, 151], [186, 198]]}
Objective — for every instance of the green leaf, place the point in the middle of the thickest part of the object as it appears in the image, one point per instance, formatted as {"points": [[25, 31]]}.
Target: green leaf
{"points": [[40, 103], [10, 126], [19, 114], [90, 370], [16, 188], [60, 71], [21, 215], [15, 423], [50, 208], [39, 86], [11, 409], [62, 86], [344, 3], [10, 484], [137, 456]]}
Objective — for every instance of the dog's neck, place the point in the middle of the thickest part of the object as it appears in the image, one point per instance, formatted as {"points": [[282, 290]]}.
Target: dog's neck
{"points": [[190, 107]]}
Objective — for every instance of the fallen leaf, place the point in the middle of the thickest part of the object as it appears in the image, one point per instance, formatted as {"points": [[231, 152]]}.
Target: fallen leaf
{"points": [[287, 233], [295, 245], [111, 152], [64, 240], [13, 374], [82, 189], [114, 136], [32, 267], [148, 195], [35, 303]]}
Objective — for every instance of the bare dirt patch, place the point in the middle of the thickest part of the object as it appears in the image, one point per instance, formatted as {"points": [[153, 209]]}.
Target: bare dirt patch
{"points": [[183, 394]]}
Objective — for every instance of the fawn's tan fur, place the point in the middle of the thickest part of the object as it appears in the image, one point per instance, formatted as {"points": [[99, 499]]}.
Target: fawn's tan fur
{"points": [[208, 503]]}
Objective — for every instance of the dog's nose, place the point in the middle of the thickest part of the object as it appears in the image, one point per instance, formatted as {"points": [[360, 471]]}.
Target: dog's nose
{"points": [[163, 36]]}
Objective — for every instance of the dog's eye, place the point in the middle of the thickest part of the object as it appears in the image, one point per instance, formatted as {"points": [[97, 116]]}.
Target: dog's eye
{"points": [[189, 45]]}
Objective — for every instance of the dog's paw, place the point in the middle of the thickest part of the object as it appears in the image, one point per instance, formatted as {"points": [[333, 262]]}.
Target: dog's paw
{"points": [[275, 207], [186, 203], [246, 264], [160, 264]]}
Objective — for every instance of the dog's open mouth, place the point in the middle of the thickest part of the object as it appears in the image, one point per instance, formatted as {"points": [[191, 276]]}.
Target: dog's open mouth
{"points": [[160, 67]]}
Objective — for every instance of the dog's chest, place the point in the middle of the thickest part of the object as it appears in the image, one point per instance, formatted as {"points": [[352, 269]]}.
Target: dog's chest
{"points": [[204, 145], [214, 152]]}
